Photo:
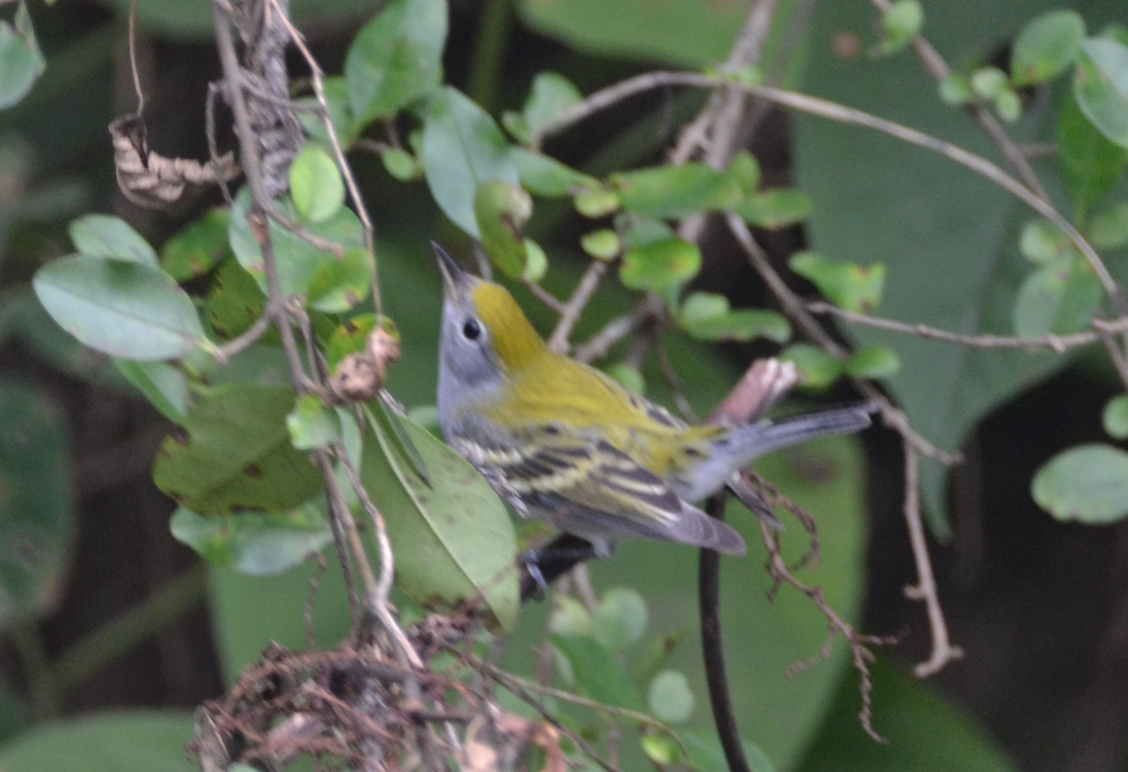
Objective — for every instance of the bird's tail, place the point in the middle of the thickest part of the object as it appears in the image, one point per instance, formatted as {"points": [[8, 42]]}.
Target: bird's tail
{"points": [[761, 438]]}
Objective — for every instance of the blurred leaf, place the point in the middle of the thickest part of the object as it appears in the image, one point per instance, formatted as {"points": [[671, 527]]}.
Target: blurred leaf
{"points": [[776, 208], [117, 741], [453, 539], [602, 244], [21, 61], [620, 618], [336, 91], [316, 184], [569, 616], [1100, 84], [629, 376], [198, 248], [311, 424], [817, 369], [1108, 229], [298, 260], [234, 302], [926, 733], [462, 148], [545, 176], [36, 516], [955, 89], [706, 755], [848, 285], [872, 362], [745, 172], [163, 385], [988, 82], [599, 675], [1114, 419], [128, 310], [550, 95], [675, 191], [338, 285], [1087, 483], [708, 317], [1042, 242], [501, 210], [597, 202], [660, 267], [680, 32], [670, 698], [1059, 298], [103, 235], [400, 164], [1090, 164], [254, 543], [1046, 47], [396, 58], [237, 454], [901, 23]]}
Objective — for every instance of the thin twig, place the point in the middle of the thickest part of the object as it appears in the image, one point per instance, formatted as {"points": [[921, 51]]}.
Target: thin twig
{"points": [[1057, 343], [223, 354], [576, 304], [925, 589], [543, 295], [598, 346]]}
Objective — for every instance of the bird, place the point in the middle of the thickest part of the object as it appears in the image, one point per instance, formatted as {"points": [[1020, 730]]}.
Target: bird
{"points": [[565, 443]]}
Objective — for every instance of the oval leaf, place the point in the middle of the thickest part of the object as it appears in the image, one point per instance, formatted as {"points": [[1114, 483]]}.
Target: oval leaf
{"points": [[661, 266], [237, 454], [462, 148], [316, 184], [103, 235], [127, 310], [1088, 483], [255, 544], [1058, 298], [1046, 47], [670, 698], [1100, 85], [675, 191]]}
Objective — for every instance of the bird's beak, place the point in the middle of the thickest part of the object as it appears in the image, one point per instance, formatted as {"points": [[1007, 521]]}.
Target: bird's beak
{"points": [[455, 280]]}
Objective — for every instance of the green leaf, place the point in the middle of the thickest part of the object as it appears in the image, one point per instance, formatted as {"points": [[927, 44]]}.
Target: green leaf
{"points": [[706, 316], [298, 260], [400, 164], [21, 61], [902, 22], [1090, 164], [237, 454], [338, 285], [1100, 84], [1046, 46], [550, 95], [660, 267], [316, 184], [988, 82], [776, 208], [620, 618], [745, 172], [1042, 242], [36, 512], [872, 362], [255, 544], [955, 89], [675, 191], [817, 369], [1087, 483], [127, 310], [1115, 417], [847, 285], [103, 235], [706, 754], [927, 732], [453, 539], [545, 176], [670, 698], [397, 58], [1108, 229], [569, 617], [462, 148], [1008, 106], [602, 244], [597, 202], [340, 113], [1060, 297], [115, 741], [501, 210], [233, 302], [311, 424], [349, 338], [197, 248], [628, 375], [598, 674], [165, 386]]}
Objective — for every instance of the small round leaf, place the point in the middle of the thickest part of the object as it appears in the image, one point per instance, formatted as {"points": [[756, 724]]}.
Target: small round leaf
{"points": [[1087, 483]]}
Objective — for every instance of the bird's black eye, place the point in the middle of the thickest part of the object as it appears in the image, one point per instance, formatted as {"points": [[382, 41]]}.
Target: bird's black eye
{"points": [[471, 329]]}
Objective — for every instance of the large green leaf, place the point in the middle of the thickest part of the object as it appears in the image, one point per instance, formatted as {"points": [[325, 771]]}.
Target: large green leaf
{"points": [[926, 733], [462, 149], [946, 235], [21, 61], [126, 309], [36, 516], [237, 454], [120, 741], [453, 538]]}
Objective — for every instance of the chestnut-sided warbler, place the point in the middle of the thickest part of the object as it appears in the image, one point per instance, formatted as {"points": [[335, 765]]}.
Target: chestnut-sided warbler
{"points": [[563, 442]]}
